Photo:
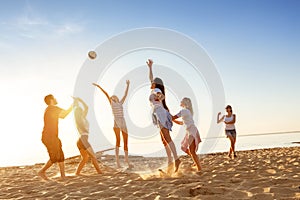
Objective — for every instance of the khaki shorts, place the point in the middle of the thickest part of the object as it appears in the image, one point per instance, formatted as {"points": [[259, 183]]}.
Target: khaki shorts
{"points": [[121, 124], [54, 148]]}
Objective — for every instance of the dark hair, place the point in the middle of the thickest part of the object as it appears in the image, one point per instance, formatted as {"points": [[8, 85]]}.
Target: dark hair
{"points": [[162, 88], [48, 98], [229, 106]]}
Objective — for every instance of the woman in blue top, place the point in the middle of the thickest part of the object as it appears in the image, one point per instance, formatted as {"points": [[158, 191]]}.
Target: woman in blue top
{"points": [[163, 119]]}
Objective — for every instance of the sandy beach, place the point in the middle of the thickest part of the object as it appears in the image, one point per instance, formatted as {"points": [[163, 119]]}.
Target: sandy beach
{"points": [[255, 174]]}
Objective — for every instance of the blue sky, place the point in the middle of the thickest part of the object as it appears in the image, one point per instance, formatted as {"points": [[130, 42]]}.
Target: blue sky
{"points": [[254, 44]]}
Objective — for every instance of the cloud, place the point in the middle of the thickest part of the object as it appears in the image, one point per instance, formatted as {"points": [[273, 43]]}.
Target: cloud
{"points": [[32, 25], [68, 28]]}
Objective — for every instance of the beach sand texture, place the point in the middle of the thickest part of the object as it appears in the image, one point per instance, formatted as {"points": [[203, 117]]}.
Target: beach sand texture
{"points": [[255, 174]]}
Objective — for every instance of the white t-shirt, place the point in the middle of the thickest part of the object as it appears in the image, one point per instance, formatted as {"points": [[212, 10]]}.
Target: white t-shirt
{"points": [[82, 123], [187, 117]]}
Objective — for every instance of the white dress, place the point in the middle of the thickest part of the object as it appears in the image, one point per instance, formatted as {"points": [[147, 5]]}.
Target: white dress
{"points": [[191, 130]]}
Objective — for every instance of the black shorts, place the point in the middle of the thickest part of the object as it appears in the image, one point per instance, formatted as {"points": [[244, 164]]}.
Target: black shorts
{"points": [[231, 133]]}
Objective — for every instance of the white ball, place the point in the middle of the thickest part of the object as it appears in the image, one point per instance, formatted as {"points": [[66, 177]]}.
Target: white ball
{"points": [[92, 54]]}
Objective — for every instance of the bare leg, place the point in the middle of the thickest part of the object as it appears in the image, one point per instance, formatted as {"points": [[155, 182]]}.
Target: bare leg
{"points": [[194, 156], [169, 153], [171, 144], [117, 133], [234, 140], [232, 143], [167, 148], [117, 157], [125, 139], [84, 159], [42, 172], [92, 155], [61, 166]]}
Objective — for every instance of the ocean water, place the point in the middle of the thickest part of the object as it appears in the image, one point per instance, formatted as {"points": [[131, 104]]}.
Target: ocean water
{"points": [[259, 141], [222, 144], [156, 149]]}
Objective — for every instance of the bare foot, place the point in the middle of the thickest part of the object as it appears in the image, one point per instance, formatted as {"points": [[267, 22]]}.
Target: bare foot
{"points": [[199, 169], [199, 173], [130, 166], [177, 163], [43, 175]]}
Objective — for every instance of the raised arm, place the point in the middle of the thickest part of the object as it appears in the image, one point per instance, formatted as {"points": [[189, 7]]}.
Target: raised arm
{"points": [[106, 94], [64, 113], [126, 92], [150, 63], [218, 118], [85, 107]]}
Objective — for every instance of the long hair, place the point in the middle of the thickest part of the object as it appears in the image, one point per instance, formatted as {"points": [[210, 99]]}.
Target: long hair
{"points": [[188, 104], [162, 88]]}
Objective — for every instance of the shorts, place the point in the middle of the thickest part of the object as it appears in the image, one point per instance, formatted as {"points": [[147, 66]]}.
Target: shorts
{"points": [[54, 148], [83, 143], [121, 124], [231, 133]]}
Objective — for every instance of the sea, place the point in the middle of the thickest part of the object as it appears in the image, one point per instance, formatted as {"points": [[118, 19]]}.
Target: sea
{"points": [[208, 145]]}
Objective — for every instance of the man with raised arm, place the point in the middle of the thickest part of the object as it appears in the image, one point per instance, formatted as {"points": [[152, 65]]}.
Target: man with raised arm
{"points": [[50, 135]]}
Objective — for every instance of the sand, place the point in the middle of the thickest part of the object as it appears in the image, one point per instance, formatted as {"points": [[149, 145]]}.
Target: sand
{"points": [[257, 174]]}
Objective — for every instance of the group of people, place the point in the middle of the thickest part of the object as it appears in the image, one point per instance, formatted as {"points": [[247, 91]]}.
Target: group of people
{"points": [[161, 118]]}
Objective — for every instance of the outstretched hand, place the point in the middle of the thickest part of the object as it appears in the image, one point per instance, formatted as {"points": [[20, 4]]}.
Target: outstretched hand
{"points": [[219, 113], [178, 122], [77, 99], [127, 82], [95, 84], [74, 98], [149, 62]]}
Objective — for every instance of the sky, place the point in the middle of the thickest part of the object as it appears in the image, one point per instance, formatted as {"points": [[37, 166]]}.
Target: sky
{"points": [[255, 46]]}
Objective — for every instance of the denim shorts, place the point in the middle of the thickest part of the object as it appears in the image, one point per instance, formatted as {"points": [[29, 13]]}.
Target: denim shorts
{"points": [[231, 133]]}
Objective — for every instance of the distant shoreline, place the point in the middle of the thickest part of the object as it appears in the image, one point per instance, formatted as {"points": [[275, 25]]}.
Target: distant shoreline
{"points": [[99, 155]]}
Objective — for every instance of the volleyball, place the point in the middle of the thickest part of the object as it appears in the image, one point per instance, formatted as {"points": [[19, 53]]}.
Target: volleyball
{"points": [[92, 54]]}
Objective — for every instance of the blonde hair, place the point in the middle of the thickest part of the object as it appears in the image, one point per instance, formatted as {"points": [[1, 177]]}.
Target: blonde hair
{"points": [[187, 103], [115, 98]]}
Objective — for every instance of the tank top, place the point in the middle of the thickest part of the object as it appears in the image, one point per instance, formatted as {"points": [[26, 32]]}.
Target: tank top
{"points": [[229, 126], [117, 109]]}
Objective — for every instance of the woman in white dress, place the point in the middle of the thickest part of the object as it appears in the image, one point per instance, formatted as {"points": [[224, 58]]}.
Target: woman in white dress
{"points": [[192, 137]]}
